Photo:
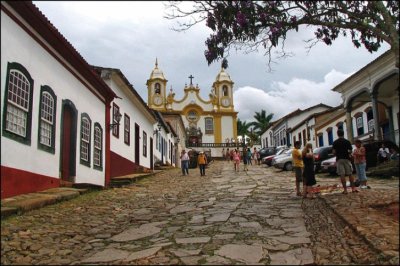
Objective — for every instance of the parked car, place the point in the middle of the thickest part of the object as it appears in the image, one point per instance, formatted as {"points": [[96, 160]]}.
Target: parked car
{"points": [[371, 149], [329, 165], [268, 159], [284, 161], [321, 154], [268, 151]]}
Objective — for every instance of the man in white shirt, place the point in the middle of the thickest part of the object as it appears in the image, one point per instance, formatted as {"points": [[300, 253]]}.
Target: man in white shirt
{"points": [[383, 154], [185, 163]]}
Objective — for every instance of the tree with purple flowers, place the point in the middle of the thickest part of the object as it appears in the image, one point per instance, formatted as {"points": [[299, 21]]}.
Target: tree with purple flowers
{"points": [[251, 25]]}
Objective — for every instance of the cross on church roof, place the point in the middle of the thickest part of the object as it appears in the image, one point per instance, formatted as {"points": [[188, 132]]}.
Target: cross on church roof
{"points": [[191, 77]]}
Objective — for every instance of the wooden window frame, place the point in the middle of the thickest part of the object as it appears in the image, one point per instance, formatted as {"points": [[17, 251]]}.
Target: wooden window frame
{"points": [[46, 90], [115, 130], [97, 146], [127, 130], [85, 138], [26, 137], [144, 143], [211, 124]]}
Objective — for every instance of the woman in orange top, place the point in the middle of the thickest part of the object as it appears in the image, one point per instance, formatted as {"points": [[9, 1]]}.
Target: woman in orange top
{"points": [[202, 161]]}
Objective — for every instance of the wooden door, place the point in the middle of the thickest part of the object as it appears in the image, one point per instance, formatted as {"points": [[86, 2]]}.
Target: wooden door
{"points": [[68, 142], [137, 144], [151, 154]]}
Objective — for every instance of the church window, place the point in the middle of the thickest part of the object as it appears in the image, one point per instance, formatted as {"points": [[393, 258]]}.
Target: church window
{"points": [[98, 147], [18, 104], [157, 88], [47, 108], [85, 139], [224, 90], [192, 116], [209, 125]]}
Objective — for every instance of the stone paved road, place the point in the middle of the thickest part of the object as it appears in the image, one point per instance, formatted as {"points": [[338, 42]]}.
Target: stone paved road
{"points": [[221, 218]]}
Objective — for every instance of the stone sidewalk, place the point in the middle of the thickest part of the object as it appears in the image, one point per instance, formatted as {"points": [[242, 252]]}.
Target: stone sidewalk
{"points": [[30, 201], [224, 217], [26, 202]]}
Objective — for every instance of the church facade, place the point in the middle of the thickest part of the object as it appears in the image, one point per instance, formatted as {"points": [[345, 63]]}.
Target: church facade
{"points": [[210, 124]]}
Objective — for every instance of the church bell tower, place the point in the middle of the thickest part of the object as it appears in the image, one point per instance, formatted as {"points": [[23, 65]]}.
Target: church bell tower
{"points": [[156, 89]]}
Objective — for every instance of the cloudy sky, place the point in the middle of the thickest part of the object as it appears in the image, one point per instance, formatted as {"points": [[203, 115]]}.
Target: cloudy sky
{"points": [[130, 35]]}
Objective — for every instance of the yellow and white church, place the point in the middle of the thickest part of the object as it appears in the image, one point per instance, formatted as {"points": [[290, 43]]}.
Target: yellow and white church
{"points": [[208, 123]]}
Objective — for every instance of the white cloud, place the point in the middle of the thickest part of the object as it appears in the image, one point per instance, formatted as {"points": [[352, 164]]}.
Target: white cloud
{"points": [[129, 35], [283, 98]]}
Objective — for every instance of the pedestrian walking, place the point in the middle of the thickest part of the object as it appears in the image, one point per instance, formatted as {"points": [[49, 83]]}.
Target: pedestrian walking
{"points": [[249, 156], [308, 173], [383, 154], [258, 158], [255, 156], [342, 149], [223, 153], [360, 163], [297, 166], [236, 160], [245, 160], [231, 154], [184, 163], [202, 161], [227, 155]]}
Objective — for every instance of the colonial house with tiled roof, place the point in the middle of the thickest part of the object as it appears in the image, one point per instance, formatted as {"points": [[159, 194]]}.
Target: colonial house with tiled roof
{"points": [[376, 83], [132, 139], [280, 131], [55, 109]]}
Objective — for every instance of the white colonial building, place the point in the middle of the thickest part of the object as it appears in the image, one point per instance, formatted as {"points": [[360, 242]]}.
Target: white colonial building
{"points": [[378, 84], [282, 132], [132, 137], [55, 110]]}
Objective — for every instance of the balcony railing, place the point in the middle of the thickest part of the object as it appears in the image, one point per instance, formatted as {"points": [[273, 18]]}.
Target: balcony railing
{"points": [[214, 145]]}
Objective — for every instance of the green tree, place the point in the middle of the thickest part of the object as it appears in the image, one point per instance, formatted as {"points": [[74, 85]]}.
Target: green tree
{"points": [[262, 122], [254, 24], [242, 128]]}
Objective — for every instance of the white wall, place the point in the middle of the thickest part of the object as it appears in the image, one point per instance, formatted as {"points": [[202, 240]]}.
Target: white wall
{"points": [[18, 46], [226, 127], [136, 115]]}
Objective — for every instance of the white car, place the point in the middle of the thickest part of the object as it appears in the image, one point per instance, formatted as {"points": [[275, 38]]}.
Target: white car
{"points": [[284, 161]]}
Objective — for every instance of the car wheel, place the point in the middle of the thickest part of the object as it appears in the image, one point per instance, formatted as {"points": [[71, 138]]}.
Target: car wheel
{"points": [[288, 166]]}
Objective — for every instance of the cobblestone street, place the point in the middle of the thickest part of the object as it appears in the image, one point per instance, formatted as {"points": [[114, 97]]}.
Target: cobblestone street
{"points": [[224, 217]]}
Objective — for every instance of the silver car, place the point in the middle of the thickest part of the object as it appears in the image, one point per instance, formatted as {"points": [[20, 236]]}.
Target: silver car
{"points": [[284, 161]]}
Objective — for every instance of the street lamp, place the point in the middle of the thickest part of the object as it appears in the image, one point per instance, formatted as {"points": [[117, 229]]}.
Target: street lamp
{"points": [[117, 118], [158, 128]]}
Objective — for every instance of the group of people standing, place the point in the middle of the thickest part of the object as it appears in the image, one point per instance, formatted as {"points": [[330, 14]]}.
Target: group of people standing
{"points": [[248, 157], [201, 162], [303, 162]]}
